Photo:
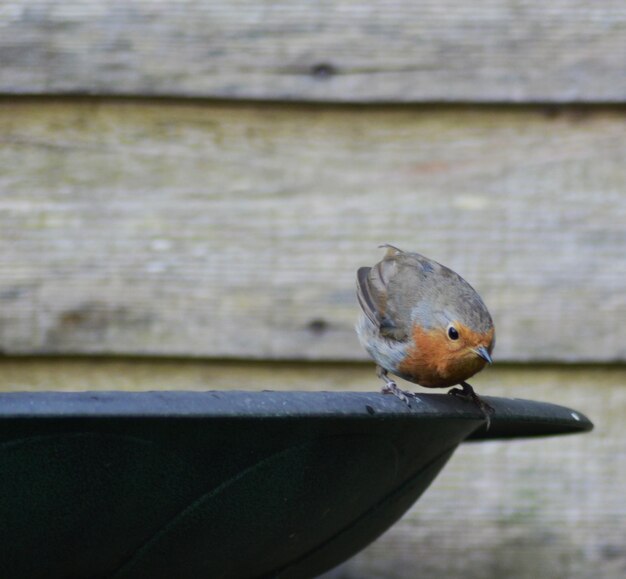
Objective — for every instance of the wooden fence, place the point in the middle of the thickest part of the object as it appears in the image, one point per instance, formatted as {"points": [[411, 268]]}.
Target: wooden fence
{"points": [[187, 189]]}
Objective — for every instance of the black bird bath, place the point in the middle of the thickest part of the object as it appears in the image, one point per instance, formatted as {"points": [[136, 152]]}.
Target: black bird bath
{"points": [[235, 485]]}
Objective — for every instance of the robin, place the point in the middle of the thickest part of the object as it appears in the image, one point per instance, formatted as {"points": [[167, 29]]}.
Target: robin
{"points": [[423, 322]]}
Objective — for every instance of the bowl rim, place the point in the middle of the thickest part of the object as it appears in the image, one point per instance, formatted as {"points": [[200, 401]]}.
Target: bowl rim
{"points": [[512, 417]]}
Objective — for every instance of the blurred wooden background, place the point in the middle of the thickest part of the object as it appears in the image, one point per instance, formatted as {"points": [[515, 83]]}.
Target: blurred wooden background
{"points": [[187, 189]]}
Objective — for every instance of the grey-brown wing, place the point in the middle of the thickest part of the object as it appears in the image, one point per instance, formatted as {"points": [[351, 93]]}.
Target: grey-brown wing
{"points": [[364, 295], [373, 295]]}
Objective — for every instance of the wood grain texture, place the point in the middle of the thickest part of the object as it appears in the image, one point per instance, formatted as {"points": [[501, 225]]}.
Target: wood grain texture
{"points": [[220, 230], [521, 509], [336, 50]]}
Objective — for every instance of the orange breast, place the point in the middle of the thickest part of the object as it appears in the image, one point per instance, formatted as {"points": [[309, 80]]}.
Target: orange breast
{"points": [[432, 363]]}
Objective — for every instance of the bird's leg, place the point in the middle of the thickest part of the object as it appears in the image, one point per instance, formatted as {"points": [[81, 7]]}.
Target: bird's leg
{"points": [[391, 387], [468, 393]]}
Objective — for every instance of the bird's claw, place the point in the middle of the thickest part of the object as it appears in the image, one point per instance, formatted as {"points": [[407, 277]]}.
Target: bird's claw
{"points": [[391, 387], [467, 393]]}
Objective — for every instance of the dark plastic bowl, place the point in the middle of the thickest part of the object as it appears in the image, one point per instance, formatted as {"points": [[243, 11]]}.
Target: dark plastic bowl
{"points": [[224, 484]]}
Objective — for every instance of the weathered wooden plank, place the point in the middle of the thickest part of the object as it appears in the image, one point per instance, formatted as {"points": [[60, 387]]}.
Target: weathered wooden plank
{"points": [[339, 50], [549, 508], [220, 230]]}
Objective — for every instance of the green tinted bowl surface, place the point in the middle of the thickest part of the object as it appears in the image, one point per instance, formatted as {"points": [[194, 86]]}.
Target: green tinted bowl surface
{"points": [[224, 484]]}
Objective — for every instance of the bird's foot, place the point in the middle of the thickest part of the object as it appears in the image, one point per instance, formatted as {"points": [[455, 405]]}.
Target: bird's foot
{"points": [[391, 387], [467, 393]]}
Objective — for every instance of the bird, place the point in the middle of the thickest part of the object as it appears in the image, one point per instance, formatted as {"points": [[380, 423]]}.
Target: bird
{"points": [[422, 322]]}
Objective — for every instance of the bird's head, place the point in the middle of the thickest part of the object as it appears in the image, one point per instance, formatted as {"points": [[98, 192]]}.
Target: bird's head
{"points": [[453, 332]]}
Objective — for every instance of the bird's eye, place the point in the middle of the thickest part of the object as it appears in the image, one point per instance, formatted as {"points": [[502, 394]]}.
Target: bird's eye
{"points": [[453, 334]]}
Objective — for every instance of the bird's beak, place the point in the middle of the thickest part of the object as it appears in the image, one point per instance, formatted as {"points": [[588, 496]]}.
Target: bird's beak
{"points": [[484, 354]]}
